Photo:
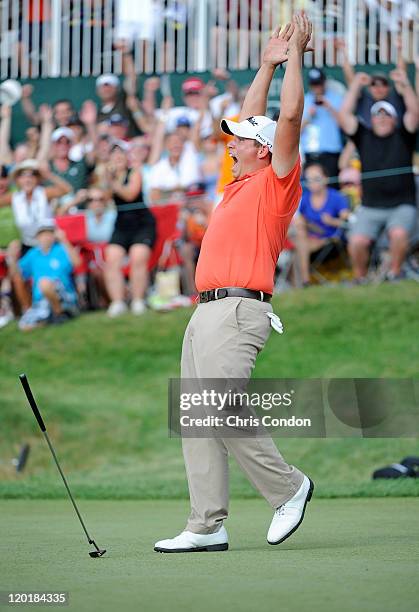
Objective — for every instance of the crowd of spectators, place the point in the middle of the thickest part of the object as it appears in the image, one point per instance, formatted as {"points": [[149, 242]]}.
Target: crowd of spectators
{"points": [[117, 160]]}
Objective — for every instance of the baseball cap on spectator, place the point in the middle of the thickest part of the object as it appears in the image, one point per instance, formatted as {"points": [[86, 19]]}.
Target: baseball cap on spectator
{"points": [[258, 128], [75, 120], [206, 132], [380, 76], [183, 122], [117, 119], [107, 79], [316, 76], [192, 85], [62, 132], [46, 225], [120, 144], [27, 164], [382, 105]]}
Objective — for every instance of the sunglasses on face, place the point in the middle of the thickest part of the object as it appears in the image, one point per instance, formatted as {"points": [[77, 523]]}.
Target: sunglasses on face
{"points": [[28, 173], [96, 200], [379, 84], [381, 113]]}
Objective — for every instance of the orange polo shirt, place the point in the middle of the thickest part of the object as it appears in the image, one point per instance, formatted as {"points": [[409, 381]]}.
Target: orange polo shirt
{"points": [[247, 231]]}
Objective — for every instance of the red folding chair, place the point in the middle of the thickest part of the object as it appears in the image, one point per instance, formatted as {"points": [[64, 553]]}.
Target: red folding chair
{"points": [[3, 265], [75, 228], [167, 220]]}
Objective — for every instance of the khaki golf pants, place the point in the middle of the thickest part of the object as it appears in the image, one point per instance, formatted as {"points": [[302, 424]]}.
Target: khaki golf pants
{"points": [[222, 340]]}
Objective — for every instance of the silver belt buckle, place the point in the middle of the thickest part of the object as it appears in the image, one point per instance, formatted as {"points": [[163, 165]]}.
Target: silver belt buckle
{"points": [[262, 295], [216, 294]]}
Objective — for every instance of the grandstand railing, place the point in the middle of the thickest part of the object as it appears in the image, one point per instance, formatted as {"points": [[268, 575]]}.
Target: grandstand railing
{"points": [[51, 38]]}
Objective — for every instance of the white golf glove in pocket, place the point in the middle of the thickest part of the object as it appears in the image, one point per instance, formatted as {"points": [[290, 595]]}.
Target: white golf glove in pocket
{"points": [[276, 322]]}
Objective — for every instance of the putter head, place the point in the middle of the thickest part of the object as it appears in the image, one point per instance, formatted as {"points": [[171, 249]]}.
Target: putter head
{"points": [[97, 553]]}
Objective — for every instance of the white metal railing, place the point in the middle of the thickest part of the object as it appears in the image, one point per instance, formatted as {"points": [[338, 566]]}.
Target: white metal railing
{"points": [[41, 38]]}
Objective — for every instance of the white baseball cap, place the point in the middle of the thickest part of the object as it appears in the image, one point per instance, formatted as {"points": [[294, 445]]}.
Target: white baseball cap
{"points": [[62, 132], [258, 128], [46, 225], [385, 106], [107, 79]]}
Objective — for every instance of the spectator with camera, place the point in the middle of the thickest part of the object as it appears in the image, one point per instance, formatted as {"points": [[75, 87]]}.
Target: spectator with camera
{"points": [[321, 139]]}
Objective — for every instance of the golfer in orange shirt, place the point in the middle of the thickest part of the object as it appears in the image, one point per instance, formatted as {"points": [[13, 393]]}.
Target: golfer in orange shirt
{"points": [[234, 277]]}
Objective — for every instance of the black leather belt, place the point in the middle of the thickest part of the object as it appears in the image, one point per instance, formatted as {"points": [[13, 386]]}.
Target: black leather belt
{"points": [[223, 292]]}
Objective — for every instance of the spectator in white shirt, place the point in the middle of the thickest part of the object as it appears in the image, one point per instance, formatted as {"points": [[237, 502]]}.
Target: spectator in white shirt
{"points": [[30, 205], [175, 173]]}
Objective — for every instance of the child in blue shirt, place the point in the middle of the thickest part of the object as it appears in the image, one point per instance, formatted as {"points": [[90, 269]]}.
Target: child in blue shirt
{"points": [[49, 266]]}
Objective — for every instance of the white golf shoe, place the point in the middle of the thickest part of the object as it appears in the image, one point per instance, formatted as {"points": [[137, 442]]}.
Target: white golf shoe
{"points": [[117, 308], [138, 307], [289, 516], [194, 542]]}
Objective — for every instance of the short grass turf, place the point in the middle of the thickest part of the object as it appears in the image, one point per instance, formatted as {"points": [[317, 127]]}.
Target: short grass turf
{"points": [[102, 388], [357, 554]]}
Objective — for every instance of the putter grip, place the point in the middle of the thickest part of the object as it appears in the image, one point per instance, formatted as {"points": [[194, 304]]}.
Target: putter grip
{"points": [[31, 400]]}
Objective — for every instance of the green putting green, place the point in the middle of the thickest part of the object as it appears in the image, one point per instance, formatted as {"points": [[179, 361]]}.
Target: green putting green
{"points": [[354, 554]]}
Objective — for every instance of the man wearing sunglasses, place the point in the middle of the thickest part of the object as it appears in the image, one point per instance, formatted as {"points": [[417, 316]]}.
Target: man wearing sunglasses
{"points": [[388, 202]]}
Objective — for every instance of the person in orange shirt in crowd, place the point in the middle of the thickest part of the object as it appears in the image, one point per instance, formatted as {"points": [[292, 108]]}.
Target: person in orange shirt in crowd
{"points": [[196, 214], [230, 326]]}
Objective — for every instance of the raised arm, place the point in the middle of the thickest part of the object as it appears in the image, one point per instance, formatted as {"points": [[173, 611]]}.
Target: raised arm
{"points": [[88, 115], [150, 88], [5, 125], [71, 251], [47, 126], [347, 68], [276, 53], [287, 135], [58, 186], [257, 96], [404, 88], [128, 69], [346, 116], [28, 106]]}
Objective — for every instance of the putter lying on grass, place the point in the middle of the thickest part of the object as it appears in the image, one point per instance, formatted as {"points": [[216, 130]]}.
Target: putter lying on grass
{"points": [[25, 384], [19, 462]]}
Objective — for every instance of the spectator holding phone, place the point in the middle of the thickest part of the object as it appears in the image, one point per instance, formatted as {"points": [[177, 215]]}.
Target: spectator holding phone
{"points": [[321, 139]]}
